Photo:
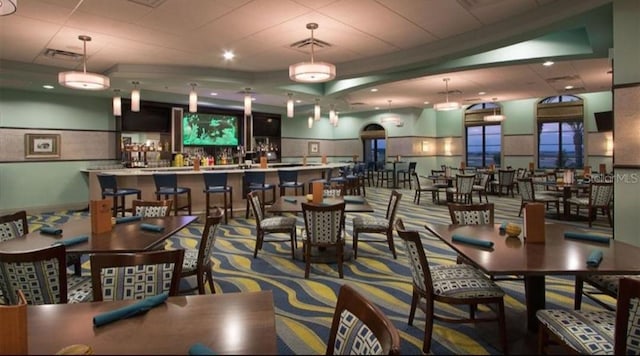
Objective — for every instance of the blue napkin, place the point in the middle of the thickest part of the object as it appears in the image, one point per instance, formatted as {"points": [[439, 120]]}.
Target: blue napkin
{"points": [[471, 241], [587, 237], [291, 200], [354, 200], [594, 258], [151, 227], [130, 310], [50, 230], [200, 349], [126, 219], [72, 241]]}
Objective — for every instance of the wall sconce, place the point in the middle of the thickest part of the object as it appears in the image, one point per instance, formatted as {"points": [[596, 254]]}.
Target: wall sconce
{"points": [[135, 97], [447, 147], [117, 103], [310, 122], [425, 146], [609, 145]]}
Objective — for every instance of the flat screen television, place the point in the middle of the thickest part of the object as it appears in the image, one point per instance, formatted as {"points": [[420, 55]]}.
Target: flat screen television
{"points": [[604, 120], [152, 117], [200, 129]]}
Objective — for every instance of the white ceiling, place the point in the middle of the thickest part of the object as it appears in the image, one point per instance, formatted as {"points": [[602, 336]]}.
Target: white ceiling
{"points": [[168, 44]]}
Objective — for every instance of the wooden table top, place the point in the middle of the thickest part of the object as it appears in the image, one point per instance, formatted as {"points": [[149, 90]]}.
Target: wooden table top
{"points": [[125, 237], [557, 255], [282, 205], [232, 323]]}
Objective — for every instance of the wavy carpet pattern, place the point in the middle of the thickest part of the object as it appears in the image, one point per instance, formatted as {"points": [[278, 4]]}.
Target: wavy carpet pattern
{"points": [[304, 308]]}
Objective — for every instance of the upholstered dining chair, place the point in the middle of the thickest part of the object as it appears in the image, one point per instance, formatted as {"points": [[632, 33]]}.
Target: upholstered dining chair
{"points": [[463, 191], [124, 276], [604, 284], [359, 327], [377, 225], [600, 194], [167, 185], [197, 262], [595, 332], [256, 182], [528, 194], [426, 188], [457, 284], [109, 188], [270, 225], [482, 186], [323, 228], [13, 225], [467, 214], [152, 208], [505, 181], [404, 175], [41, 275]]}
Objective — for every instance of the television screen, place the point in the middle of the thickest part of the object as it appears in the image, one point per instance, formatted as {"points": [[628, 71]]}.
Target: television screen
{"points": [[200, 129], [152, 117], [604, 120]]}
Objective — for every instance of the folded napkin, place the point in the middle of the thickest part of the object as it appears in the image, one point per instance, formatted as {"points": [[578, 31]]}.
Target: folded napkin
{"points": [[200, 349], [151, 227], [50, 230], [291, 200], [586, 236], [72, 241], [594, 258], [130, 310], [471, 241], [354, 200], [126, 219]]}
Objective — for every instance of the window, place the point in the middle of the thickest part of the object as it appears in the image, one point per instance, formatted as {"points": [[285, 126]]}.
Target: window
{"points": [[483, 145], [560, 144]]}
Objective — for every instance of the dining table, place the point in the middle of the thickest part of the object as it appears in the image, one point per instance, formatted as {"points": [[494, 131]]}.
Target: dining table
{"points": [[228, 323], [558, 255], [566, 191], [123, 237]]}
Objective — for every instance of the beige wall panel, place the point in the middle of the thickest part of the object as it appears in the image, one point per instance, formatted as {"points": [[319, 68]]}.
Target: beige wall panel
{"points": [[74, 145], [600, 144], [627, 125], [519, 145]]}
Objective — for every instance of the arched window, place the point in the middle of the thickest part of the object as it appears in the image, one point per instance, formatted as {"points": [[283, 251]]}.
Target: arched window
{"points": [[560, 122], [483, 139], [374, 143]]}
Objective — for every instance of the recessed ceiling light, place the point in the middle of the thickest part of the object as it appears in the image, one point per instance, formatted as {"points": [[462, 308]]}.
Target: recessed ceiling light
{"points": [[228, 55], [568, 87], [47, 86], [482, 92], [298, 101], [426, 102], [547, 63], [377, 108], [213, 94], [253, 99], [374, 90]]}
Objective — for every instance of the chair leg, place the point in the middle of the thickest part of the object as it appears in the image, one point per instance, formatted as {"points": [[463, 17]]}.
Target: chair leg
{"points": [[340, 256], [355, 244], [577, 297], [210, 281], [200, 276], [503, 328], [189, 201], [414, 303], [259, 237], [391, 246], [307, 257], [609, 216], [521, 207], [428, 327]]}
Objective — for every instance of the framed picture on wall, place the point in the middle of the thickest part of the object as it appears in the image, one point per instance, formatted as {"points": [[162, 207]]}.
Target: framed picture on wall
{"points": [[314, 147], [42, 145]]}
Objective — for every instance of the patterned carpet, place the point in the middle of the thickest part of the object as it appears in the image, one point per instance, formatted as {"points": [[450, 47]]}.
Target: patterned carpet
{"points": [[304, 307]]}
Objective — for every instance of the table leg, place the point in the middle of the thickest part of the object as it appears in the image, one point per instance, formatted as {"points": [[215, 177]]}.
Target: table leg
{"points": [[534, 291], [566, 195]]}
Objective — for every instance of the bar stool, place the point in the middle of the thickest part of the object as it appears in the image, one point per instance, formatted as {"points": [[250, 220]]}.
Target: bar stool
{"points": [[167, 184], [404, 175], [384, 174], [109, 187], [289, 179], [215, 183], [255, 181], [325, 179]]}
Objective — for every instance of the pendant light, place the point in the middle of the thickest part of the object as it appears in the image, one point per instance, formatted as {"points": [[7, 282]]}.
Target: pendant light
{"points": [[247, 102], [193, 99], [336, 119], [447, 105], [83, 80], [310, 121], [135, 97], [332, 115], [495, 117], [316, 110], [290, 105], [117, 103], [312, 72]]}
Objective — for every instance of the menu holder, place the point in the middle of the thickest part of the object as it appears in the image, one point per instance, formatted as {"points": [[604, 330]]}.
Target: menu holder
{"points": [[100, 216], [531, 167], [13, 328], [263, 162], [324, 159], [587, 171], [534, 231], [602, 169], [318, 192]]}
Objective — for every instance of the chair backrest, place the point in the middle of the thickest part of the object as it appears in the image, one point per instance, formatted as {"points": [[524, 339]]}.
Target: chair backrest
{"points": [[214, 179], [323, 223], [165, 180], [392, 207], [472, 214], [208, 239], [256, 206], [359, 327], [13, 225], [464, 183], [412, 166], [525, 187], [627, 327], [417, 257], [124, 276], [416, 179], [600, 193], [40, 274], [506, 176], [484, 179], [151, 208], [252, 177], [287, 176], [108, 182]]}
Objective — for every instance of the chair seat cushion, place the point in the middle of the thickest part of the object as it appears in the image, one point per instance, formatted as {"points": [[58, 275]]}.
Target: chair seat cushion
{"points": [[168, 190], [608, 282], [79, 289], [258, 186], [588, 332], [578, 201], [291, 184], [278, 223], [217, 189], [463, 281], [370, 223], [478, 187], [190, 261], [121, 191]]}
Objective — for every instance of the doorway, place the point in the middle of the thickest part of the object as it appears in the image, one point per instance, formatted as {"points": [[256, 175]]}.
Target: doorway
{"points": [[374, 144]]}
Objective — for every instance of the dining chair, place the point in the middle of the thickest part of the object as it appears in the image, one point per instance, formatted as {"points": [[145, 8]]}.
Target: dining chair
{"points": [[604, 284], [271, 225], [404, 175], [455, 285], [13, 225], [429, 188], [384, 174], [256, 181], [359, 327], [197, 262], [466, 214], [595, 332], [151, 208], [370, 173], [505, 181], [377, 225], [463, 191], [125, 276], [217, 183], [482, 186], [167, 185], [109, 188], [355, 184], [528, 194], [600, 195], [323, 229], [41, 275], [289, 180]]}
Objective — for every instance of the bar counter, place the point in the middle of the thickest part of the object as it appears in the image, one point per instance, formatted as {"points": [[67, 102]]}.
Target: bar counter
{"points": [[142, 179]]}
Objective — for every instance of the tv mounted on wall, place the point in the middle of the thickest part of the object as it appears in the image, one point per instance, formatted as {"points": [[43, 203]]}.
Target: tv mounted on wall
{"points": [[604, 120], [200, 129]]}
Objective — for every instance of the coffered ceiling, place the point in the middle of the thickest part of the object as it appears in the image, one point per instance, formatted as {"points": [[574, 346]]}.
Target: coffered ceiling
{"points": [[403, 48]]}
